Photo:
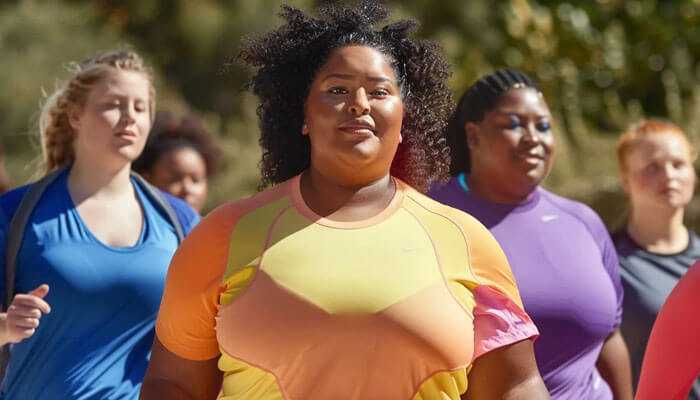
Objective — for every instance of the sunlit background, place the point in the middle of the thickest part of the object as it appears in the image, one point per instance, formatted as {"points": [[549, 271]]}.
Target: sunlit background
{"points": [[601, 64]]}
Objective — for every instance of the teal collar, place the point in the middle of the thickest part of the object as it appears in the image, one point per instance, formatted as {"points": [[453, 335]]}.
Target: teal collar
{"points": [[462, 179]]}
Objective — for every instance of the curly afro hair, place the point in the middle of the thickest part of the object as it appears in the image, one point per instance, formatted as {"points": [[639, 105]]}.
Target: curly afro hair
{"points": [[287, 59], [170, 133]]}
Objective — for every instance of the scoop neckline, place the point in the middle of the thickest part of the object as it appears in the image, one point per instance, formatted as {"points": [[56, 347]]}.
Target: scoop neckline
{"points": [[122, 249], [303, 208]]}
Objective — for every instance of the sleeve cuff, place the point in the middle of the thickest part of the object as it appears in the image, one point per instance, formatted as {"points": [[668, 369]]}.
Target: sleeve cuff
{"points": [[498, 321]]}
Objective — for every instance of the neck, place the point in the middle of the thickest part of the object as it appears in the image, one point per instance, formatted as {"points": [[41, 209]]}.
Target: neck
{"points": [[87, 180], [485, 188], [326, 196], [659, 230]]}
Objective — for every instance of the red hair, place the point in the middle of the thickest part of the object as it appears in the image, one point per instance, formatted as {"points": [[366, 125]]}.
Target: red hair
{"points": [[643, 130]]}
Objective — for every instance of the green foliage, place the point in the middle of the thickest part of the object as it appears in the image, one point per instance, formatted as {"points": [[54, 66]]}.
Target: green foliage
{"points": [[601, 63]]}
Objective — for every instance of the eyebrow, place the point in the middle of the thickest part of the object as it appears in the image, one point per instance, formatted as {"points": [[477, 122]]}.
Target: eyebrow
{"points": [[351, 77], [519, 114]]}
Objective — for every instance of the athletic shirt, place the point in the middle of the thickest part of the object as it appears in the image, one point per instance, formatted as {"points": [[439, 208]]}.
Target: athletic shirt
{"points": [[567, 272], [95, 343], [301, 307], [648, 278], [672, 359]]}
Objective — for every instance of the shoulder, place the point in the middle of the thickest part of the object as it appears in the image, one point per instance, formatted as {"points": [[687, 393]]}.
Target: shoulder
{"points": [[9, 202], [577, 210], [187, 216]]}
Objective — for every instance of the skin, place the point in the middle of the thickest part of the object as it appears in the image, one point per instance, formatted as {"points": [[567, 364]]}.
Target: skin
{"points": [[110, 132], [182, 172], [512, 151], [512, 148], [353, 117], [659, 179]]}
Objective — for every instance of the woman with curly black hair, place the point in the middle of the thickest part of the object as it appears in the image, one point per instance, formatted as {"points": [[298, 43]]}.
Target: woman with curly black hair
{"points": [[343, 281]]}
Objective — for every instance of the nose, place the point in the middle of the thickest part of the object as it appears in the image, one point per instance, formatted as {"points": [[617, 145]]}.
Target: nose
{"points": [[359, 104], [128, 115], [531, 134], [670, 170]]}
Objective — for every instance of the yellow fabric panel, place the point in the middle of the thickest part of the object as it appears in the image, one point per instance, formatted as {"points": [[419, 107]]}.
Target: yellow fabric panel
{"points": [[243, 381], [250, 233], [236, 283], [352, 263], [448, 385]]}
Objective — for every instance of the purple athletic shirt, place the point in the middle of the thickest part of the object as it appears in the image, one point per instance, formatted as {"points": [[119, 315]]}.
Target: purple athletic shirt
{"points": [[566, 269]]}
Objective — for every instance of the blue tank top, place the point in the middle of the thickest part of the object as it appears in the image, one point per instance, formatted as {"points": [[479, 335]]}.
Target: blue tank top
{"points": [[95, 343]]}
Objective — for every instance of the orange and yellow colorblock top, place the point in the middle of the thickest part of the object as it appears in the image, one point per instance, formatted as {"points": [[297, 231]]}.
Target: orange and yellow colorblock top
{"points": [[300, 307]]}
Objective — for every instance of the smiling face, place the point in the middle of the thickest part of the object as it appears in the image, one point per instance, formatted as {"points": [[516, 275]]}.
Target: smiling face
{"points": [[659, 173], [512, 147], [353, 116], [113, 124]]}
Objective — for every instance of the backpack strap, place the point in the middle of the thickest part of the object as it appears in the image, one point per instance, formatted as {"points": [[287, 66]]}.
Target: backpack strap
{"points": [[15, 231], [160, 201]]}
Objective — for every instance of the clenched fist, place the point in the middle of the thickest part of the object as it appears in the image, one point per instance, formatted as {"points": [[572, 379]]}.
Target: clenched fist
{"points": [[23, 315]]}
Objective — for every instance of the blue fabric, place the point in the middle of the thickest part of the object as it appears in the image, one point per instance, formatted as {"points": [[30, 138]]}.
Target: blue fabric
{"points": [[95, 343]]}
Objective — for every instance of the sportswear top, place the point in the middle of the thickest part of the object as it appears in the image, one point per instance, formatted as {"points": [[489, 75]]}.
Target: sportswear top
{"points": [[567, 272], [95, 343], [297, 306]]}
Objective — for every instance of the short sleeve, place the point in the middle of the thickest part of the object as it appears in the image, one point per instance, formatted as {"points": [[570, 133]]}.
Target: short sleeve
{"points": [[186, 320], [610, 260], [672, 358], [499, 317]]}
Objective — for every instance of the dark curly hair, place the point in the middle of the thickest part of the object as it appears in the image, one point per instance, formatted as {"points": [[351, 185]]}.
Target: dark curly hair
{"points": [[287, 59], [481, 97], [170, 133]]}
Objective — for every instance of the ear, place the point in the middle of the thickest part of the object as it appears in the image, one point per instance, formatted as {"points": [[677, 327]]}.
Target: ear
{"points": [[624, 181], [472, 131], [400, 138], [74, 119]]}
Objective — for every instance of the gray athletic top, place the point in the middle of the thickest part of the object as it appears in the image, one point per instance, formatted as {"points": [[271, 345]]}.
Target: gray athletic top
{"points": [[647, 279]]}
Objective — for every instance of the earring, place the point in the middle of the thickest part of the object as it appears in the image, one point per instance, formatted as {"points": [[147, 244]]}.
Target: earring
{"points": [[304, 130]]}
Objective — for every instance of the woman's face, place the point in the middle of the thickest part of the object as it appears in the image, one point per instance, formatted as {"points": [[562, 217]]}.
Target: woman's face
{"points": [[181, 172], [513, 145], [353, 115], [113, 124], [659, 172]]}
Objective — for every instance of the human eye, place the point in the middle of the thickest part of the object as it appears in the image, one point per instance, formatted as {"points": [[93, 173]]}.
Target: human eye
{"points": [[543, 126], [380, 92], [513, 122], [337, 90]]}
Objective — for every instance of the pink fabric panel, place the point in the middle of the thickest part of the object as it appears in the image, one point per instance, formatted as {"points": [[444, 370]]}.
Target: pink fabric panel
{"points": [[498, 321]]}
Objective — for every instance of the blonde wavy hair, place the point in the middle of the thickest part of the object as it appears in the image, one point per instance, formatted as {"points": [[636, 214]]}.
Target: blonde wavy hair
{"points": [[56, 133]]}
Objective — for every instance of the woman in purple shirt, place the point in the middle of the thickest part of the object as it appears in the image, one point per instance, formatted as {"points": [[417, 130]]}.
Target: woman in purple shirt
{"points": [[560, 252]]}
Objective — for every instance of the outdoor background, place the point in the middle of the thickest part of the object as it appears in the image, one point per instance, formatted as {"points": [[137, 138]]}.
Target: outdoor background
{"points": [[602, 64]]}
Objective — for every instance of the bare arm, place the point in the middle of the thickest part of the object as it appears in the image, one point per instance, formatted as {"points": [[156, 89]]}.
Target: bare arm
{"points": [[174, 378], [614, 366], [507, 373]]}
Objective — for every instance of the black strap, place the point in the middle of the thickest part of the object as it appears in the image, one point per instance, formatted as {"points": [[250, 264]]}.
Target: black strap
{"points": [[155, 195]]}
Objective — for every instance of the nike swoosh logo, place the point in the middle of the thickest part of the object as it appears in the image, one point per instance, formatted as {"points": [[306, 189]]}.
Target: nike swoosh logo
{"points": [[549, 217]]}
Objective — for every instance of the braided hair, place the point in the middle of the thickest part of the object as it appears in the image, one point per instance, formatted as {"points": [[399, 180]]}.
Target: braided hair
{"points": [[287, 59], [480, 98]]}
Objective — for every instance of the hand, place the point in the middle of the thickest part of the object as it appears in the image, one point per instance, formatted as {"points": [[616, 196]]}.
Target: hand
{"points": [[23, 314]]}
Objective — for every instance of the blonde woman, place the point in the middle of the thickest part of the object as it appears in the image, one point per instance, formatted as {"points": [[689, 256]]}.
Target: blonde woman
{"points": [[655, 247], [94, 253]]}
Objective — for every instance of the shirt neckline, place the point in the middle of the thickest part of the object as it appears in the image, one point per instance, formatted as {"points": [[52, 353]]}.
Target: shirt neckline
{"points": [[530, 202], [300, 205]]}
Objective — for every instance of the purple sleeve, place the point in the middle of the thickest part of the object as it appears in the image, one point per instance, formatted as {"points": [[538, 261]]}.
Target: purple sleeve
{"points": [[612, 266]]}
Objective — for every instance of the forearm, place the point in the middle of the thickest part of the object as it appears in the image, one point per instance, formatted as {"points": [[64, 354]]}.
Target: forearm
{"points": [[614, 366]]}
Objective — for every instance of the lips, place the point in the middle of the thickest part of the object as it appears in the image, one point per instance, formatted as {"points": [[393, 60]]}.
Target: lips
{"points": [[357, 126], [126, 134]]}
